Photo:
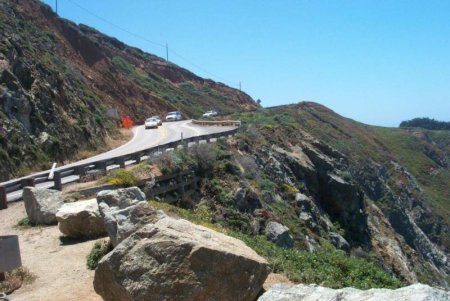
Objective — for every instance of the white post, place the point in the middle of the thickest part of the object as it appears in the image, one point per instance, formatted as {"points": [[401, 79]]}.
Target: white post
{"points": [[52, 172]]}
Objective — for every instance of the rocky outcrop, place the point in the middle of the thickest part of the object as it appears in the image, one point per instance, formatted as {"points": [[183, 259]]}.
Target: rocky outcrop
{"points": [[80, 219], [301, 292], [339, 242], [176, 260], [279, 234], [41, 205], [124, 211], [246, 200]]}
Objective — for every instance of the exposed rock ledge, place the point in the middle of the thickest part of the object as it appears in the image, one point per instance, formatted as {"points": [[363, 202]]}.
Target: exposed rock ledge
{"points": [[301, 292]]}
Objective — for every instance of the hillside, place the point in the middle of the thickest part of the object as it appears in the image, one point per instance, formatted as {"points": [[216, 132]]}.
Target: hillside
{"points": [[59, 80], [386, 188]]}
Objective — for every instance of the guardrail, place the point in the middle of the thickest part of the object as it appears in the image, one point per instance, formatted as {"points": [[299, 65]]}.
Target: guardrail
{"points": [[75, 172], [217, 122]]}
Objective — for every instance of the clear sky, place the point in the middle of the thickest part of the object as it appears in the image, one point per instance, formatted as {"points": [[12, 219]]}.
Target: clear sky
{"points": [[378, 62]]}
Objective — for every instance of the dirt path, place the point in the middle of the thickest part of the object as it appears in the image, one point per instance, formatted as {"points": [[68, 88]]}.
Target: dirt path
{"points": [[60, 269]]}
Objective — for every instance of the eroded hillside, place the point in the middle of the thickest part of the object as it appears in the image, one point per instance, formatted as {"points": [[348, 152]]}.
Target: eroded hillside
{"points": [[58, 81]]}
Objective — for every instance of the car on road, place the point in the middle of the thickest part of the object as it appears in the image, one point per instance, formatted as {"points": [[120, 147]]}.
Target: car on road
{"points": [[151, 123], [210, 114], [173, 116], [157, 118]]}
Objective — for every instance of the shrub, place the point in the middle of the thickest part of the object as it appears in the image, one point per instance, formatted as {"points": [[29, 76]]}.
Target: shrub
{"points": [[15, 279], [100, 249], [24, 223], [328, 266], [122, 177]]}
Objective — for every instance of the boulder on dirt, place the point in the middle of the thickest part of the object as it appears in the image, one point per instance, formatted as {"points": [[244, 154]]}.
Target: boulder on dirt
{"points": [[339, 242], [279, 234], [121, 223], [301, 292], [177, 260], [120, 198], [80, 219], [42, 204], [124, 211]]}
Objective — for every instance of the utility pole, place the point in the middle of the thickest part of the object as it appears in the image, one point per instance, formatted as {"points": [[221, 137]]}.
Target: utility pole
{"points": [[240, 86], [56, 6], [167, 52]]}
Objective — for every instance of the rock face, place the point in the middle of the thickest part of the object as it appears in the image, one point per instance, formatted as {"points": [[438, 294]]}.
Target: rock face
{"points": [[339, 242], [416, 292], [124, 211], [279, 234], [176, 260], [80, 219], [41, 205]]}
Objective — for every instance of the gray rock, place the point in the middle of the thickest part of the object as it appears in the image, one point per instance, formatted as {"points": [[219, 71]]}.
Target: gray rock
{"points": [[177, 260], [339, 242], [124, 211], [416, 292], [246, 200], [121, 223], [121, 198], [80, 219], [41, 204], [279, 234]]}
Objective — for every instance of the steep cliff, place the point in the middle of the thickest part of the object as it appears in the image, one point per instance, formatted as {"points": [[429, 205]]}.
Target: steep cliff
{"points": [[59, 80]]}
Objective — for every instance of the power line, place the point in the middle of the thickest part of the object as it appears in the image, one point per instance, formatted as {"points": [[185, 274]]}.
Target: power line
{"points": [[117, 26], [166, 46]]}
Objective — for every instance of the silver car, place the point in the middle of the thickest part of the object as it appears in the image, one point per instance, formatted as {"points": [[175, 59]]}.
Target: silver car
{"points": [[173, 116]]}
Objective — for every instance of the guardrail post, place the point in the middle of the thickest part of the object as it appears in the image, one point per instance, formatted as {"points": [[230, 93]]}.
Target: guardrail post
{"points": [[137, 158], [101, 165], [180, 182], [3, 203], [57, 180], [28, 182], [80, 170], [121, 162]]}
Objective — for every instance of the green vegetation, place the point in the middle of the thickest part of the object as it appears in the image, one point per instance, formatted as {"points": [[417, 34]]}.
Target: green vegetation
{"points": [[24, 223], [15, 278], [100, 249], [121, 177], [426, 123], [327, 267]]}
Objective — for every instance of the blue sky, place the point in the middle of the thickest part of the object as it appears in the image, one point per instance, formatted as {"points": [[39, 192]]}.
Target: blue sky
{"points": [[378, 62]]}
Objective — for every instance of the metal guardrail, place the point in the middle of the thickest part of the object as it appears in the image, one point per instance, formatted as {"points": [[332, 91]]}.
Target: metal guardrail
{"points": [[217, 122], [78, 171]]}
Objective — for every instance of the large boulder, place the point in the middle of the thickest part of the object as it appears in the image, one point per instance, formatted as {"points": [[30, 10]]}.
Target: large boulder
{"points": [[124, 211], [41, 204], [177, 260], [301, 292], [121, 223], [120, 198], [339, 242], [80, 219], [279, 234], [246, 200]]}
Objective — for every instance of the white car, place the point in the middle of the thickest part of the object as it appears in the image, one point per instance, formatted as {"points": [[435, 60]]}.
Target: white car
{"points": [[173, 116], [210, 114], [151, 123], [157, 118]]}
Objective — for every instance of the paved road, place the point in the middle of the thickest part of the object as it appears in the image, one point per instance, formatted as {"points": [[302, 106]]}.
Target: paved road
{"points": [[142, 139]]}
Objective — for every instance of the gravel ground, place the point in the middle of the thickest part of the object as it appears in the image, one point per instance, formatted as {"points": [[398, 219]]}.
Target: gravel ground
{"points": [[60, 268]]}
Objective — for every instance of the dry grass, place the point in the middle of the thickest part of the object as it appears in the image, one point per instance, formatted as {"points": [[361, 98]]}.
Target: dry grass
{"points": [[15, 279]]}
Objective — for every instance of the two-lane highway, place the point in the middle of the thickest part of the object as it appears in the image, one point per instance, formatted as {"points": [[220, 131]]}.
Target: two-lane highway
{"points": [[142, 139]]}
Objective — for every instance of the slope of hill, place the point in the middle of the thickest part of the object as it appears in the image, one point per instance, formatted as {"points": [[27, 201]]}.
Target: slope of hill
{"points": [[59, 80], [388, 189]]}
